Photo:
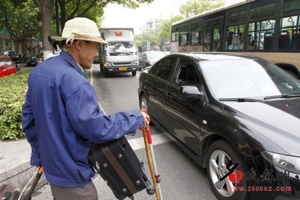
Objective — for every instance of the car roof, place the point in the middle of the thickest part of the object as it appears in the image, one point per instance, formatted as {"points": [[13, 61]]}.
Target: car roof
{"points": [[201, 56]]}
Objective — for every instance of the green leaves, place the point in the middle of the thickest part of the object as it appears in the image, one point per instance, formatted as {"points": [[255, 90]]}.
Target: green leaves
{"points": [[194, 7], [12, 98]]}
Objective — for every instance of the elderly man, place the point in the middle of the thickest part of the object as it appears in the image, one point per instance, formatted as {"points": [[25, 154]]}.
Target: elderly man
{"points": [[61, 115]]}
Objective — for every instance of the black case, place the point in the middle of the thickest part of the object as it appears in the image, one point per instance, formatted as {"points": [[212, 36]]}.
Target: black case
{"points": [[119, 166]]}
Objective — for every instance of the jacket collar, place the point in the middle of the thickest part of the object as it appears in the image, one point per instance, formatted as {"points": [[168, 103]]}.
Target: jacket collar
{"points": [[65, 55]]}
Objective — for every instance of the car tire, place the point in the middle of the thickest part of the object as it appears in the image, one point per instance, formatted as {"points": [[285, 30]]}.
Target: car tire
{"points": [[224, 190], [133, 73], [144, 105]]}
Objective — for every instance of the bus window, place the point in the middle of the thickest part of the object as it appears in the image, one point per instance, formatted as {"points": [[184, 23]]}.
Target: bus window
{"points": [[184, 36], [284, 40], [175, 33], [235, 38], [207, 38], [296, 39], [261, 35], [287, 38], [196, 34], [216, 38]]}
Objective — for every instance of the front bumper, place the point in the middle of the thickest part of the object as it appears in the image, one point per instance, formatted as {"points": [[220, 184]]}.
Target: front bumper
{"points": [[117, 69], [268, 182]]}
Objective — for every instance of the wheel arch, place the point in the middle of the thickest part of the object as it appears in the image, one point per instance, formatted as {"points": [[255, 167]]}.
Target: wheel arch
{"points": [[209, 141]]}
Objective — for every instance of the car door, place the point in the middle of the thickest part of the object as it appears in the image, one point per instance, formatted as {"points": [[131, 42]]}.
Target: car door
{"points": [[159, 77], [186, 114]]}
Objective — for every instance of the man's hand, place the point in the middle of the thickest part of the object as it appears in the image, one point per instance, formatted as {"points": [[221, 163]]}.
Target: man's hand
{"points": [[146, 119]]}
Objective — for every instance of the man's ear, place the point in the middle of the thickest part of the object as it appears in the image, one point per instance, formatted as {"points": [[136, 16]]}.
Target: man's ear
{"points": [[78, 44]]}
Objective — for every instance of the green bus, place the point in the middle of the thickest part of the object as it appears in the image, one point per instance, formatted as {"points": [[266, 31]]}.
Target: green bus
{"points": [[266, 28]]}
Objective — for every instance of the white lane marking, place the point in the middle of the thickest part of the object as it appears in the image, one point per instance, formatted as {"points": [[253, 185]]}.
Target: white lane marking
{"points": [[138, 143]]}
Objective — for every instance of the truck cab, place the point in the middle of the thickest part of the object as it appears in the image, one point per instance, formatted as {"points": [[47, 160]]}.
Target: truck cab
{"points": [[120, 54]]}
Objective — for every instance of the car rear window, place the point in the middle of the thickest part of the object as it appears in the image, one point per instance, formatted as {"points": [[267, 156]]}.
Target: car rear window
{"points": [[8, 61], [2, 63]]}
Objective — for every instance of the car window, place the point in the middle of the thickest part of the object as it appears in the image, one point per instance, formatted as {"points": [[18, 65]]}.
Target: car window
{"points": [[186, 74], [8, 61], [2, 63], [164, 68]]}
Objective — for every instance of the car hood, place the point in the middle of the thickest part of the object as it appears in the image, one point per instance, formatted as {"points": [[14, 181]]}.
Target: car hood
{"points": [[279, 121]]}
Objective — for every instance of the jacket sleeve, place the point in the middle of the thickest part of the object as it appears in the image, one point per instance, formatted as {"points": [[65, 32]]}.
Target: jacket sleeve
{"points": [[91, 123], [28, 127]]}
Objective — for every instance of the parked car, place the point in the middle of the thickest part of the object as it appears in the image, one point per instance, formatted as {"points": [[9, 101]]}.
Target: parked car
{"points": [[32, 61], [237, 116], [148, 58], [8, 53], [7, 67], [96, 60]]}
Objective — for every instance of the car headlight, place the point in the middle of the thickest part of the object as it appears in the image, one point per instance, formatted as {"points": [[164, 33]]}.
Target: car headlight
{"points": [[107, 64], [288, 163], [135, 62]]}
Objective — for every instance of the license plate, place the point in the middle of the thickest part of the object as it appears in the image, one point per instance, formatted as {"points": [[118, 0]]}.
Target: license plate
{"points": [[122, 68]]}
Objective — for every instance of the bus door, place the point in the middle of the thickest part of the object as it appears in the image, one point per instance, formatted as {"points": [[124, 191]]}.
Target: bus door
{"points": [[212, 35]]}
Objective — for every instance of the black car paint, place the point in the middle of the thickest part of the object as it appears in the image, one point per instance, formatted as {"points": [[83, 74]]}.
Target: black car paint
{"points": [[235, 122]]}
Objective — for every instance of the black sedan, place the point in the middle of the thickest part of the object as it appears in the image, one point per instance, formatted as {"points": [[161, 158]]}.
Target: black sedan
{"points": [[237, 116], [32, 61]]}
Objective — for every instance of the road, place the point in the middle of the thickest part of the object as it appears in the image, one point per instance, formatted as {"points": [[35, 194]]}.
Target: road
{"points": [[181, 178]]}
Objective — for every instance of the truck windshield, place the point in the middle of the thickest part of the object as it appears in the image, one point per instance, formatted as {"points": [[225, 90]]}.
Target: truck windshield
{"points": [[121, 46]]}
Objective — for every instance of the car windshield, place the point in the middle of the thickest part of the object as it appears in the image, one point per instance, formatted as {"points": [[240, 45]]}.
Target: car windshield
{"points": [[121, 46], [248, 79]]}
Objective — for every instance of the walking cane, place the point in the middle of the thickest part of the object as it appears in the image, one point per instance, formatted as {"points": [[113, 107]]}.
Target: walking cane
{"points": [[37, 175], [151, 162]]}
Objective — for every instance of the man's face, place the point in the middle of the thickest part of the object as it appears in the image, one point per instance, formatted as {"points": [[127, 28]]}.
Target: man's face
{"points": [[88, 52]]}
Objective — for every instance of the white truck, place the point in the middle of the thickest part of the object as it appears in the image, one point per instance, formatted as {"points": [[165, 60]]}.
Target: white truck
{"points": [[120, 54]]}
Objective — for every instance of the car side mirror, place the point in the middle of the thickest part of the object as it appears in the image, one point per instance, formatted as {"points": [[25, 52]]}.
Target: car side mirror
{"points": [[190, 92], [2, 67]]}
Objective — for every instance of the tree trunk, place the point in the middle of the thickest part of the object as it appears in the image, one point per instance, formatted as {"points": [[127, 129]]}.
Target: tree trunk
{"points": [[47, 8]]}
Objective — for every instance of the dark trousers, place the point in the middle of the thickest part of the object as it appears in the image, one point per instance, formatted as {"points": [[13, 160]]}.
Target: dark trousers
{"points": [[87, 192]]}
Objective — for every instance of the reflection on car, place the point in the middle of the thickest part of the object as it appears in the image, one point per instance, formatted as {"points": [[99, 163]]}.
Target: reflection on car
{"points": [[148, 58], [237, 116], [7, 67]]}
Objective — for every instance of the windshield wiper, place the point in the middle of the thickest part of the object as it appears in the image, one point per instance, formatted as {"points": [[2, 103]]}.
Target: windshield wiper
{"points": [[290, 95], [241, 99]]}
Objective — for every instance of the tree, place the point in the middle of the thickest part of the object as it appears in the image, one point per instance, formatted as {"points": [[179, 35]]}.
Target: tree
{"points": [[20, 20], [80, 8], [165, 28], [194, 7]]}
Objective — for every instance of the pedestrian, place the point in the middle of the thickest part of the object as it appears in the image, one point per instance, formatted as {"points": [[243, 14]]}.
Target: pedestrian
{"points": [[61, 116]]}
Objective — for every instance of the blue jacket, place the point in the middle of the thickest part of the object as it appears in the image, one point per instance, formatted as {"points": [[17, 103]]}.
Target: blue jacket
{"points": [[61, 118]]}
